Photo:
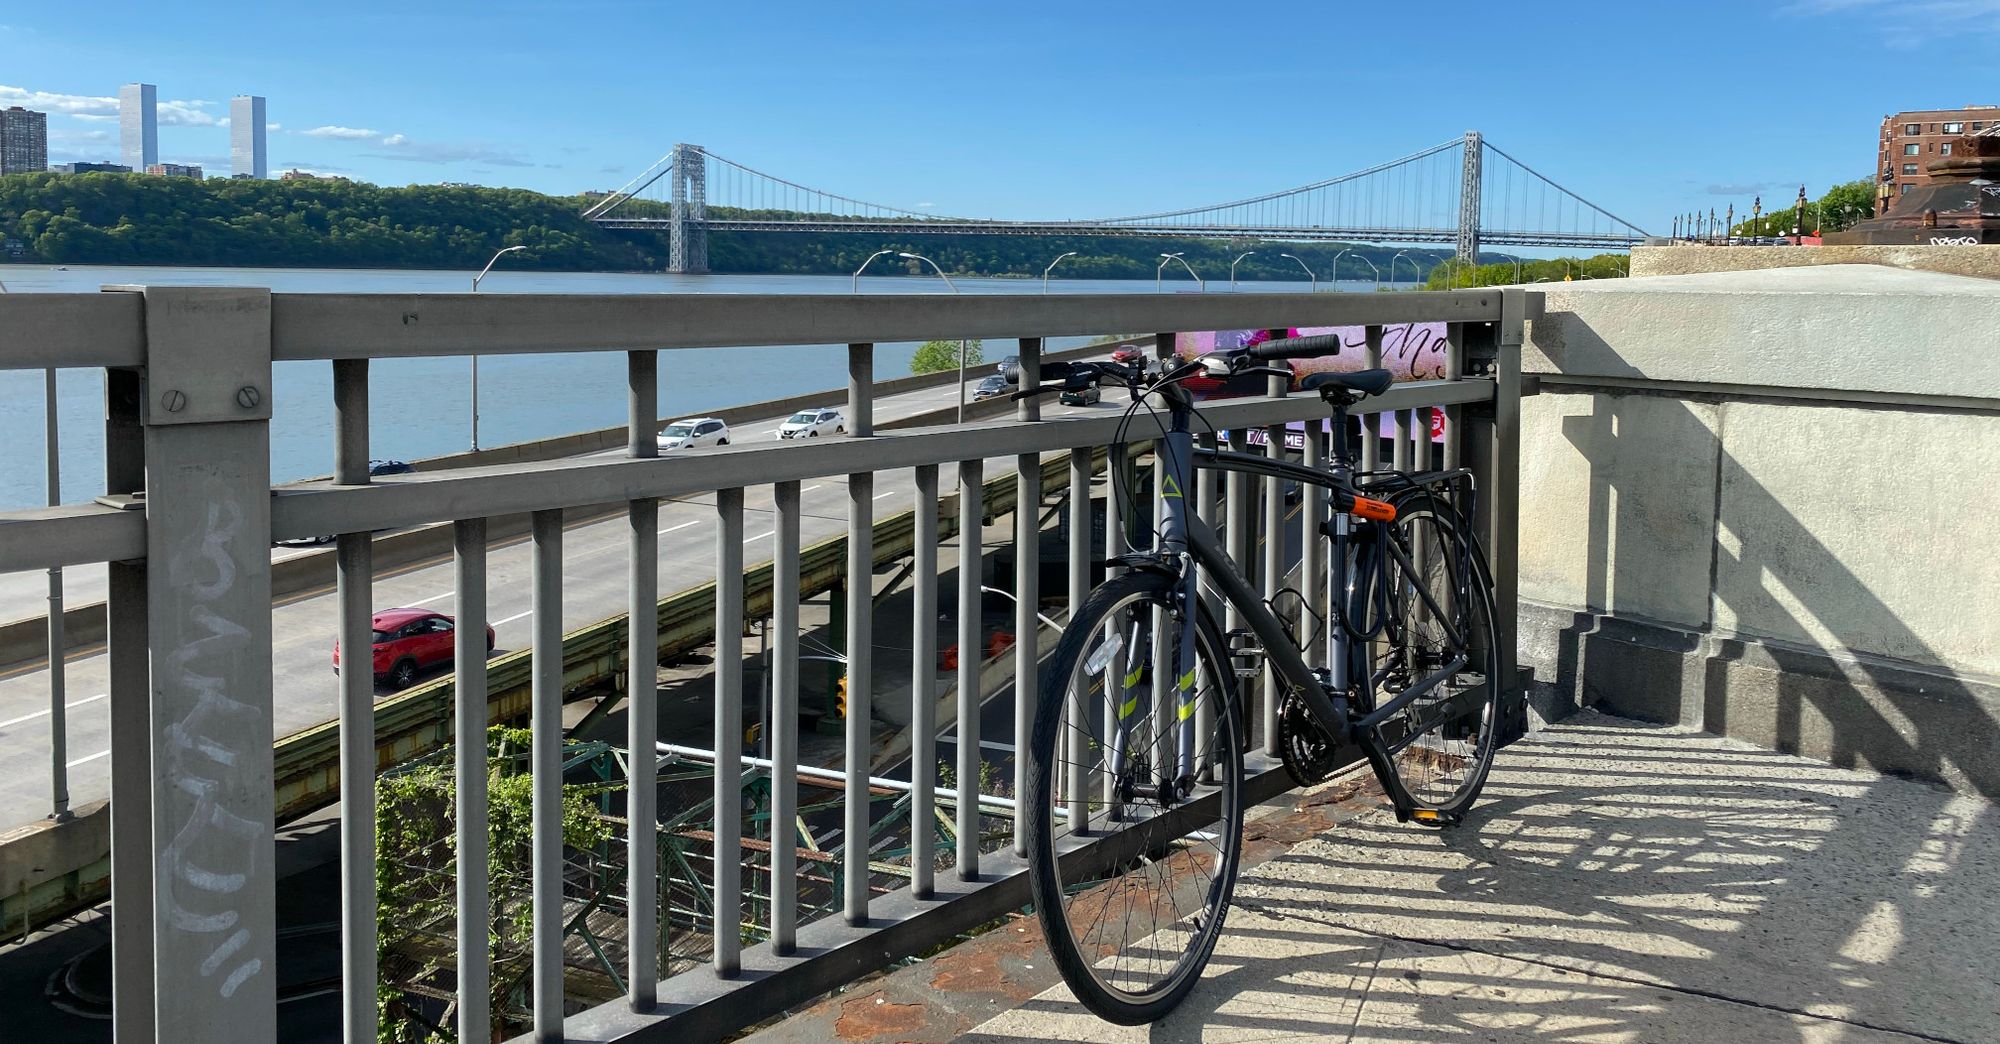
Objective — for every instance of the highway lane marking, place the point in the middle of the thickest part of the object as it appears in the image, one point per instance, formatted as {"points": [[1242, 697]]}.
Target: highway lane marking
{"points": [[759, 536], [512, 618], [44, 714], [88, 758]]}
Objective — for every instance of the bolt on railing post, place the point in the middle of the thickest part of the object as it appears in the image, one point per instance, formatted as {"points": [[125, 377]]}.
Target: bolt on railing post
{"points": [[1027, 580], [971, 510], [129, 692], [860, 637], [642, 619], [923, 685], [354, 591], [208, 531]]}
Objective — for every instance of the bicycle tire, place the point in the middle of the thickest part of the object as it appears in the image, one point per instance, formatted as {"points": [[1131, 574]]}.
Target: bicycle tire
{"points": [[1064, 895], [1443, 742]]}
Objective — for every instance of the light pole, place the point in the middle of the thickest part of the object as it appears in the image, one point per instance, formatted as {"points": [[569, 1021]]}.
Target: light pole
{"points": [[961, 341], [1517, 270], [864, 266], [1335, 274], [1392, 266], [1232, 268], [1164, 258], [475, 357], [1051, 268], [1363, 258], [1308, 271], [1566, 276]]}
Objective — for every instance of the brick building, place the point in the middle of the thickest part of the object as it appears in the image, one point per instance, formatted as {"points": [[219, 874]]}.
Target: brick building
{"points": [[24, 141], [1911, 140]]}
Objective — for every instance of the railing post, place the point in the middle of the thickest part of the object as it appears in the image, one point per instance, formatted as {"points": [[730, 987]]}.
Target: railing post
{"points": [[860, 636], [1080, 529], [469, 779], [971, 523], [642, 685], [1371, 423], [1027, 581], [785, 720], [355, 583], [1273, 531], [1503, 498], [728, 892], [923, 685], [58, 667], [207, 412], [131, 730], [1454, 370]]}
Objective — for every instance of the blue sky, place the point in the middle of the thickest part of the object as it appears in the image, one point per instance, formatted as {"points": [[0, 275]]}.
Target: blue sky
{"points": [[1023, 109]]}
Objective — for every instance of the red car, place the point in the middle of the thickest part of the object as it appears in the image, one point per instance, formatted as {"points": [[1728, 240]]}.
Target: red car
{"points": [[407, 641], [1128, 354]]}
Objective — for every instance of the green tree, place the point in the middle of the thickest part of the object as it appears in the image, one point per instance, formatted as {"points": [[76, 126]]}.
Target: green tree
{"points": [[935, 356]]}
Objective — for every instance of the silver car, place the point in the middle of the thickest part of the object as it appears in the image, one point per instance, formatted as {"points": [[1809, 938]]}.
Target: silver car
{"points": [[694, 432]]}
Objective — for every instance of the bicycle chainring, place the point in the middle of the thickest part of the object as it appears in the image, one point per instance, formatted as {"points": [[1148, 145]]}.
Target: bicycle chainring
{"points": [[1305, 747]]}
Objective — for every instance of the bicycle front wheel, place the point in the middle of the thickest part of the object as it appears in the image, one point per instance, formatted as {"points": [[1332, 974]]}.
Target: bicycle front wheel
{"points": [[1133, 813]]}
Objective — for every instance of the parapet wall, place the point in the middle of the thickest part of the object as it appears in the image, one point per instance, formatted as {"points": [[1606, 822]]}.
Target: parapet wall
{"points": [[1763, 503], [1982, 261]]}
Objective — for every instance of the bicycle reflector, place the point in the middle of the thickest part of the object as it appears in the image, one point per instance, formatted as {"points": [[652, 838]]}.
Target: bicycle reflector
{"points": [[1380, 511]]}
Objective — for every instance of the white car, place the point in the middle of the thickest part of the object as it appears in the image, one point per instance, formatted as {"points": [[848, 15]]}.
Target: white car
{"points": [[694, 432], [807, 424]]}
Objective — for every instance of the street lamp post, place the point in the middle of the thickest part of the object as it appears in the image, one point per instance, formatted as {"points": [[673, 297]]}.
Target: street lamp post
{"points": [[1334, 275], [1232, 268], [1051, 268], [1164, 258], [961, 341], [1392, 266], [475, 357], [864, 267], [1372, 267], [1309, 272]]}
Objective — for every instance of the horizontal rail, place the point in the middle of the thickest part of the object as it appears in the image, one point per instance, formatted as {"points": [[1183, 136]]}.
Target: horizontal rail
{"points": [[388, 326], [404, 500], [39, 331]]}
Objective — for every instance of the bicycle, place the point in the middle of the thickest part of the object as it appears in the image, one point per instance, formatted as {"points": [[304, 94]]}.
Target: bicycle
{"points": [[1135, 766]]}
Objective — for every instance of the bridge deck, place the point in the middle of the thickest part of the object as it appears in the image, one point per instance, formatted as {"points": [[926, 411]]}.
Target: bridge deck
{"points": [[1620, 881]]}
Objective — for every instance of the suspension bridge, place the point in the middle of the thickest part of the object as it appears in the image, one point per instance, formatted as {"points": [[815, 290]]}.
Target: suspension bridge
{"points": [[1467, 192]]}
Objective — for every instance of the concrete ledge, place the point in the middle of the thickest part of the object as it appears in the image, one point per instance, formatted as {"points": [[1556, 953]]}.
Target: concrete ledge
{"points": [[1855, 712], [1685, 260]]}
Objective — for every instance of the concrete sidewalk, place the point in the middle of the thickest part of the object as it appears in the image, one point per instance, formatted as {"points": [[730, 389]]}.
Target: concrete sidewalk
{"points": [[1619, 882]]}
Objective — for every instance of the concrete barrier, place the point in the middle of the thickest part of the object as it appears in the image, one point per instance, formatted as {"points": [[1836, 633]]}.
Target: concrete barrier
{"points": [[1760, 503]]}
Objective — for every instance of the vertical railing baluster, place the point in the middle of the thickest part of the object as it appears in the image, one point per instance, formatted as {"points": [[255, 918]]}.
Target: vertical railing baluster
{"points": [[1273, 531], [1399, 443], [785, 721], [1238, 509], [1075, 748], [971, 509], [1161, 720], [1454, 370], [469, 777], [642, 684], [1117, 457], [545, 745], [923, 685], [1027, 583], [1504, 496], [130, 699], [1371, 423], [1206, 490], [860, 636], [58, 645], [1312, 554], [727, 895], [354, 587]]}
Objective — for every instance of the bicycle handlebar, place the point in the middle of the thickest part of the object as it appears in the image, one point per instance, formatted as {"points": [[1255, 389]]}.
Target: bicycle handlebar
{"points": [[1296, 347]]}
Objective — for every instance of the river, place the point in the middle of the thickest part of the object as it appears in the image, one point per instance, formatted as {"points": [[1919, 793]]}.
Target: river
{"points": [[421, 407]]}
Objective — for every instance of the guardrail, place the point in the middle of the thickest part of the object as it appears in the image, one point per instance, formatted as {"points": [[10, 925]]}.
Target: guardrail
{"points": [[191, 514]]}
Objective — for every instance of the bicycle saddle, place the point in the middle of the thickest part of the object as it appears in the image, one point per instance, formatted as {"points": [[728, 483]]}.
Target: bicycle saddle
{"points": [[1367, 382]]}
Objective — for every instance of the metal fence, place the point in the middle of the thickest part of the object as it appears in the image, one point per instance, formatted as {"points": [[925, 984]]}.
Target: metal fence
{"points": [[191, 515]]}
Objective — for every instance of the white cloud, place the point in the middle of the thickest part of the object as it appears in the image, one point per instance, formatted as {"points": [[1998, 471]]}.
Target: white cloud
{"points": [[394, 140], [1909, 23], [188, 114], [400, 147], [171, 113], [273, 128], [343, 133]]}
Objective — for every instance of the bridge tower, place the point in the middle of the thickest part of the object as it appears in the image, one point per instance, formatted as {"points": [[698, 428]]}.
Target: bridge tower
{"points": [[1468, 200], [687, 237]]}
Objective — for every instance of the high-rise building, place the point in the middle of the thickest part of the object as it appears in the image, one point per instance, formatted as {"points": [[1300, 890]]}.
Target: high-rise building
{"points": [[1911, 140], [139, 125], [81, 167], [24, 140], [246, 136]]}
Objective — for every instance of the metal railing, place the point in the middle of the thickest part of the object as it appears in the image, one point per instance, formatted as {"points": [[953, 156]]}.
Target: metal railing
{"points": [[190, 516]]}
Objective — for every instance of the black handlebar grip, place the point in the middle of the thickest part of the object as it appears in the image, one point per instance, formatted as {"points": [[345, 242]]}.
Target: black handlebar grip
{"points": [[1296, 347], [1057, 371]]}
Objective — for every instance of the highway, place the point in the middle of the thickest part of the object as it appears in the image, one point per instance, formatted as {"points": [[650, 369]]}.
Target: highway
{"points": [[303, 625]]}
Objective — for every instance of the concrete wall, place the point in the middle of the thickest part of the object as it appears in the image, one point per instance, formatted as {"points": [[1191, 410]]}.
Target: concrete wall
{"points": [[1687, 259], [1764, 503]]}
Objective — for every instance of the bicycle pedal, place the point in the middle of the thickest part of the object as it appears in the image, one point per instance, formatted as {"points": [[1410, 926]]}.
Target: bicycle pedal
{"points": [[1436, 817]]}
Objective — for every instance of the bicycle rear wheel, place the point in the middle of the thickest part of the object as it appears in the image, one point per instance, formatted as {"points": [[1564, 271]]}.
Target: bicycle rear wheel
{"points": [[1438, 747], [1132, 858]]}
